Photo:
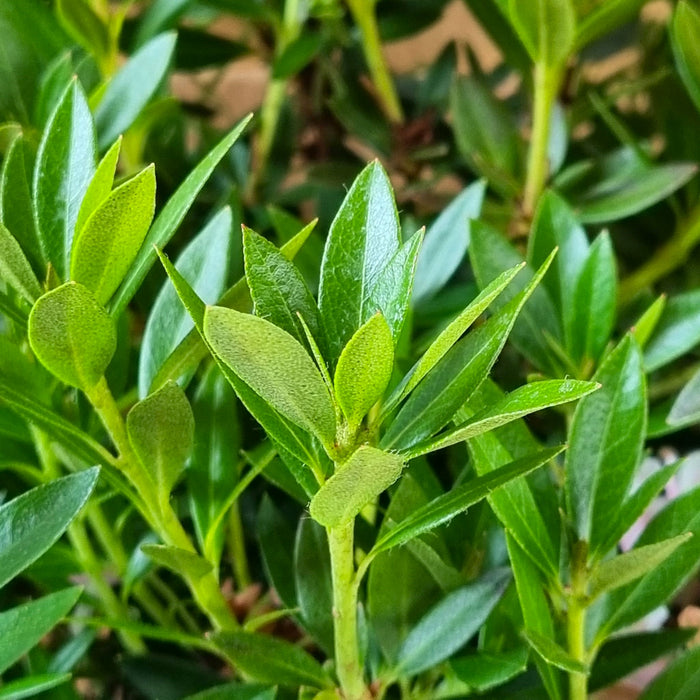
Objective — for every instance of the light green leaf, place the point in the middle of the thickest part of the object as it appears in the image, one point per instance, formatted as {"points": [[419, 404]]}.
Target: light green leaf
{"points": [[32, 522], [446, 242], [84, 26], [64, 167], [625, 568], [363, 239], [451, 623], [358, 481], [679, 681], [24, 626], [132, 87], [646, 325], [111, 238], [677, 332], [271, 660], [32, 685], [275, 366], [15, 269], [519, 403], [100, 186], [364, 369], [161, 433], [171, 216], [546, 27], [72, 335], [205, 264], [601, 460], [685, 29], [553, 654], [442, 509], [181, 561]]}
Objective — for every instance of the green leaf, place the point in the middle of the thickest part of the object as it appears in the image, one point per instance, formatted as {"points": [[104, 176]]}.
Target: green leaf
{"points": [[32, 685], [171, 216], [311, 569], [271, 660], [84, 26], [205, 264], [451, 623], [159, 15], [482, 671], [676, 333], [442, 509], [15, 269], [24, 626], [593, 303], [604, 18], [363, 239], [519, 403], [278, 289], [161, 433], [630, 603], [553, 654], [32, 522], [275, 366], [236, 691], [679, 681], [111, 238], [684, 32], [181, 561], [601, 460], [456, 376], [54, 82], [646, 325], [132, 87], [622, 655], [686, 407], [16, 207], [448, 337], [296, 55], [100, 186], [625, 568], [364, 369], [357, 482], [547, 28], [485, 133], [446, 242], [64, 167], [72, 335]]}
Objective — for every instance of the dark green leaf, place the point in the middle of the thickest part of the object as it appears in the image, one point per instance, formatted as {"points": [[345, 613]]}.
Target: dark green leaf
{"points": [[482, 671], [676, 333], [604, 18], [297, 55], [33, 685], [84, 26], [236, 691], [679, 681]]}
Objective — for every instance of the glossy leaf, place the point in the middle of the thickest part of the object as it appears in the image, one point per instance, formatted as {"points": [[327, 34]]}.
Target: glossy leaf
{"points": [[679, 681], [364, 369], [459, 499], [111, 238], [601, 461], [271, 660], [446, 242], [204, 263], [359, 480], [15, 269], [275, 366], [451, 623], [546, 28], [132, 87], [172, 214], [64, 167], [32, 522], [684, 31], [363, 239], [24, 626], [161, 433], [72, 335]]}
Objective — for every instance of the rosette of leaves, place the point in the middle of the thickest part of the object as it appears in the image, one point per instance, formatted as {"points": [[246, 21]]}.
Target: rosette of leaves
{"points": [[320, 378]]}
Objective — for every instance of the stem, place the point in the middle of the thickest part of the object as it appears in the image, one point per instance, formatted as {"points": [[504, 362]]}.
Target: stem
{"points": [[365, 18], [347, 661], [159, 515], [576, 621], [239, 558], [670, 256], [546, 80]]}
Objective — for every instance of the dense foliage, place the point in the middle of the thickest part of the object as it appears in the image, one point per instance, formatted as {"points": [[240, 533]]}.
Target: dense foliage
{"points": [[398, 437]]}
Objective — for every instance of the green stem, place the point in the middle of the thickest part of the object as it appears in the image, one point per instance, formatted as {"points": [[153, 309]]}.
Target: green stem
{"points": [[576, 621], [347, 660], [239, 558], [159, 515], [669, 257], [363, 12], [546, 81]]}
